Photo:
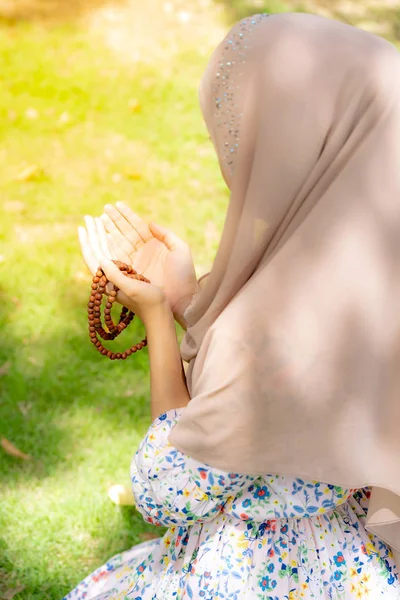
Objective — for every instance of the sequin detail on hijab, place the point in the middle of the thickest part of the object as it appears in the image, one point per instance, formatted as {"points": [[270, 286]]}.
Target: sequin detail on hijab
{"points": [[227, 112]]}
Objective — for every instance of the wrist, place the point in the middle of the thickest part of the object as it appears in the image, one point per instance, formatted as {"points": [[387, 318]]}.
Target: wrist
{"points": [[157, 316]]}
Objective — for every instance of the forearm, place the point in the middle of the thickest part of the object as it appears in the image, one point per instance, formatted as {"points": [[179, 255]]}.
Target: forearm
{"points": [[167, 379]]}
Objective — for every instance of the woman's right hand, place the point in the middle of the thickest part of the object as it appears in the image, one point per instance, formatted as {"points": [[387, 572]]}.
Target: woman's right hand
{"points": [[154, 252]]}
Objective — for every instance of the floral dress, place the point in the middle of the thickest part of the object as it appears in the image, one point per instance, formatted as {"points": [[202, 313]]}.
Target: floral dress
{"points": [[241, 537]]}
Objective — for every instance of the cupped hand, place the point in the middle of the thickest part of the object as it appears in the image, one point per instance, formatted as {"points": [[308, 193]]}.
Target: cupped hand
{"points": [[154, 252], [140, 297], [94, 245]]}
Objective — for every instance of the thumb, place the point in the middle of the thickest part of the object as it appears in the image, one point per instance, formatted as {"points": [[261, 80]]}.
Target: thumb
{"points": [[116, 277], [167, 237]]}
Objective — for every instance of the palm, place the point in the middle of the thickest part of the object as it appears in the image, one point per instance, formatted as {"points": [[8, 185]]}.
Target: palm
{"points": [[171, 271], [150, 260], [164, 259]]}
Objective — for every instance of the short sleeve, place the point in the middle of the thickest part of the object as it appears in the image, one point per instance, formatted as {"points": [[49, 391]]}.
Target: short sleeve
{"points": [[172, 488]]}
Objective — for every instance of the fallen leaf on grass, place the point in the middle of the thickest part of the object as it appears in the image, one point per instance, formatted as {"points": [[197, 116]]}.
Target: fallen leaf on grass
{"points": [[121, 495], [24, 408], [14, 206], [5, 368], [64, 118], [116, 178], [128, 393], [31, 113], [12, 450], [133, 175], [135, 106], [11, 593], [29, 173]]}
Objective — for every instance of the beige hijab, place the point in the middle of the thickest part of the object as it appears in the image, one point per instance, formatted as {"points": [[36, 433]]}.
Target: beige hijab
{"points": [[294, 343]]}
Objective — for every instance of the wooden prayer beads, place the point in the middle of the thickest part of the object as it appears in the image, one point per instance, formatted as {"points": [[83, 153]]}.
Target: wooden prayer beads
{"points": [[113, 330]]}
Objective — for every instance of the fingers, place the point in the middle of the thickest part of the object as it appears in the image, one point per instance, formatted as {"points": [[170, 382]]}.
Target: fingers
{"points": [[120, 240], [116, 252], [90, 260], [169, 239], [122, 224], [113, 251], [102, 238], [93, 239], [125, 227], [124, 283], [109, 247], [138, 224]]}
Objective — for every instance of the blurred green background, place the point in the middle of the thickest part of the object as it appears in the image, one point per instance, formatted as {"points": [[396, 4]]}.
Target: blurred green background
{"points": [[98, 103]]}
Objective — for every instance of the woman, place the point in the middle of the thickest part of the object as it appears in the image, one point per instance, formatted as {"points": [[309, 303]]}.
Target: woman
{"points": [[293, 344]]}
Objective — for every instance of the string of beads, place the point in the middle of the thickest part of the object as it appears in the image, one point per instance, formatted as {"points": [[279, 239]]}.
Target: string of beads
{"points": [[96, 329]]}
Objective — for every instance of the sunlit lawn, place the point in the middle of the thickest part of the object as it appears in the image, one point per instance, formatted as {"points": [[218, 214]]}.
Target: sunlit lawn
{"points": [[80, 128], [97, 131]]}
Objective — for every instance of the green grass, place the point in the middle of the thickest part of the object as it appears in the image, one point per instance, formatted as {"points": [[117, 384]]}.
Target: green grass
{"points": [[78, 415], [382, 18], [65, 107]]}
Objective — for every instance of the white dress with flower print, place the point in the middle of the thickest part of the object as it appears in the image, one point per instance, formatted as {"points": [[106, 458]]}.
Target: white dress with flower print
{"points": [[238, 537]]}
